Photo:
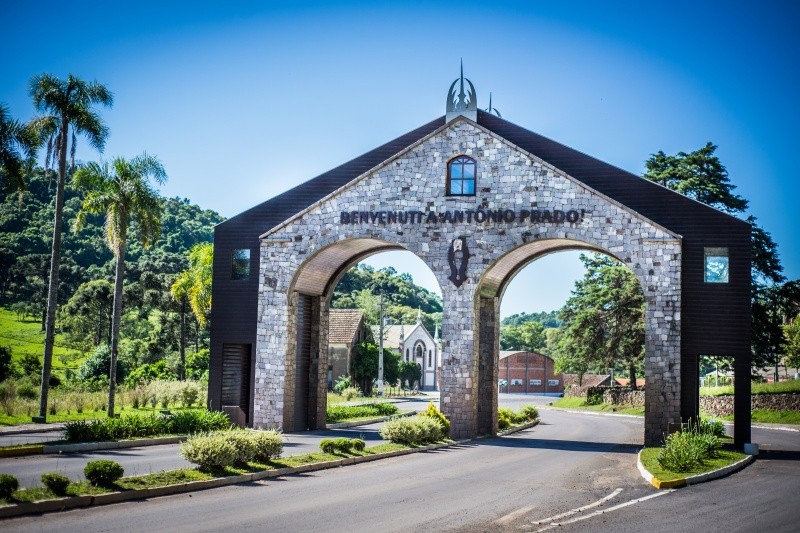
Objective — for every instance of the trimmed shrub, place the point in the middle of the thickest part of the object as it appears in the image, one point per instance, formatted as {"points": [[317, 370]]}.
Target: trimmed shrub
{"points": [[337, 413], [135, 426], [327, 446], [103, 473], [711, 427], [8, 484], [433, 412], [412, 431], [210, 452], [268, 445], [56, 482], [529, 412], [243, 442], [505, 417], [341, 445]]}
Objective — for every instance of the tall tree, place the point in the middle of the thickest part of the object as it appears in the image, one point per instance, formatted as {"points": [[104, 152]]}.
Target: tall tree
{"points": [[123, 192], [18, 143], [193, 286], [604, 317], [66, 108], [700, 175]]}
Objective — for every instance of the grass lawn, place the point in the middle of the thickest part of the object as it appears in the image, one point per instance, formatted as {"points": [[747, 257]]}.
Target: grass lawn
{"points": [[580, 403], [791, 385], [650, 462], [25, 336], [88, 414], [771, 417]]}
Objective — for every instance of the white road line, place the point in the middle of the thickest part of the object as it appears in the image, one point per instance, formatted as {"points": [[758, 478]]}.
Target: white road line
{"points": [[603, 511], [519, 512]]}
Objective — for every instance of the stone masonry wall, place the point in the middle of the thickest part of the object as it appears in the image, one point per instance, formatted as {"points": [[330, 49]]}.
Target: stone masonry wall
{"points": [[723, 405], [508, 178]]}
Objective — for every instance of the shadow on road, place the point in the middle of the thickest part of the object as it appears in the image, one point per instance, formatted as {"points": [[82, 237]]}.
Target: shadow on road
{"points": [[563, 445], [779, 455]]}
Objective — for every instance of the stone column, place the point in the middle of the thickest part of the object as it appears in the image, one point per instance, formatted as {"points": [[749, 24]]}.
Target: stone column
{"points": [[459, 362], [488, 354]]}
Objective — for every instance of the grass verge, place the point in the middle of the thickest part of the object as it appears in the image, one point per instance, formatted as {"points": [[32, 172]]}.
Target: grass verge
{"points": [[580, 403], [789, 385], [650, 462], [185, 475], [770, 417]]}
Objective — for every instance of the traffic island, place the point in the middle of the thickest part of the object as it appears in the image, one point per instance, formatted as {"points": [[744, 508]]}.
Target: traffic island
{"points": [[727, 463]]}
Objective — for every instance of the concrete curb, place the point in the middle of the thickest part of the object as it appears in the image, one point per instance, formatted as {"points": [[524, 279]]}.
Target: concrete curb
{"points": [[63, 504], [356, 423], [691, 480], [111, 445], [517, 429], [39, 449]]}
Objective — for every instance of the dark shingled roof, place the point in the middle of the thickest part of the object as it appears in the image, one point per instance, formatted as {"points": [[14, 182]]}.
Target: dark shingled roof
{"points": [[589, 380], [661, 205], [343, 325]]}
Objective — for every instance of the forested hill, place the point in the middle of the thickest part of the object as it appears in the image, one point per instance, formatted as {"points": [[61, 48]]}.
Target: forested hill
{"points": [[360, 288], [26, 229]]}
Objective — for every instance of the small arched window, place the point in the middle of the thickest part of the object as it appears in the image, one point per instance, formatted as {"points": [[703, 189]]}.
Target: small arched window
{"points": [[420, 351], [461, 173], [408, 357]]}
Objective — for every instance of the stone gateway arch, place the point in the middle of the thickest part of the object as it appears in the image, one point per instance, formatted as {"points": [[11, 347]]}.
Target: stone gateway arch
{"points": [[476, 198]]}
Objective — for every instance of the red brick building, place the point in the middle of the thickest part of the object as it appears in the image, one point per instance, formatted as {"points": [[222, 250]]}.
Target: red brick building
{"points": [[528, 372]]}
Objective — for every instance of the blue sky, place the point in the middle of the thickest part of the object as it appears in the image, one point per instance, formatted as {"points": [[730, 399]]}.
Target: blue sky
{"points": [[243, 100]]}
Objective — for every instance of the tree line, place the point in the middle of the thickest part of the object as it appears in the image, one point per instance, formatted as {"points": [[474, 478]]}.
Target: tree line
{"points": [[602, 323], [114, 219]]}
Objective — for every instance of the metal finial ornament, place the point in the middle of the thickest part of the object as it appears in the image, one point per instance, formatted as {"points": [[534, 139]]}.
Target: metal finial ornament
{"points": [[463, 103], [490, 109]]}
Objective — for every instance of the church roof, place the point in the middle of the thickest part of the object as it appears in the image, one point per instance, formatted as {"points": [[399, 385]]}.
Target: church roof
{"points": [[343, 325], [391, 334], [668, 208]]}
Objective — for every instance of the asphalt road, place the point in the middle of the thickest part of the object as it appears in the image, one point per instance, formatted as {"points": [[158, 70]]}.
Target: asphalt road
{"points": [[568, 461], [576, 467]]}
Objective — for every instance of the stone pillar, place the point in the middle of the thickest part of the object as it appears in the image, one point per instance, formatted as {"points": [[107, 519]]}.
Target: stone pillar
{"points": [[662, 365], [488, 354], [459, 362]]}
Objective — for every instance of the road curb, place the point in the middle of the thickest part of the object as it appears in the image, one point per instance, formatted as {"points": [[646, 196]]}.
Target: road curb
{"points": [[111, 445], [342, 425], [46, 449], [63, 504], [20, 451], [691, 480], [517, 429]]}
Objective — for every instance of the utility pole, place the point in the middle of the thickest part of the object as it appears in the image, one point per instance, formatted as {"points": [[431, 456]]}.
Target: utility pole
{"points": [[380, 350]]}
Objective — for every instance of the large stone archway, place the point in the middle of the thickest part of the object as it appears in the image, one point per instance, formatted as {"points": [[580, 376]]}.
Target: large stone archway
{"points": [[399, 205], [475, 197]]}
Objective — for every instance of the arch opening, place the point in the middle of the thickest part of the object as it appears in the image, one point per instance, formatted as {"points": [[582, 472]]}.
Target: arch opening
{"points": [[330, 317], [513, 359]]}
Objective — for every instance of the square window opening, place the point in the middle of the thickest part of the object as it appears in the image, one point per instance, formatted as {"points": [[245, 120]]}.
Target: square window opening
{"points": [[716, 265], [240, 264]]}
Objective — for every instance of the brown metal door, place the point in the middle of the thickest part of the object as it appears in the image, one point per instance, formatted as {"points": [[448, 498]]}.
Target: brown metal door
{"points": [[303, 367], [236, 376]]}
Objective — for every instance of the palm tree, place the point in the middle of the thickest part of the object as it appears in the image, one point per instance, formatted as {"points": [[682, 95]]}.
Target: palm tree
{"points": [[122, 191], [193, 285], [65, 105], [17, 144]]}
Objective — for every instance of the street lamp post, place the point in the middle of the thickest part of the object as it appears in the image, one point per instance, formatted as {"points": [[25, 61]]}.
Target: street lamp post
{"points": [[380, 350]]}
